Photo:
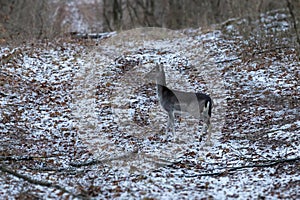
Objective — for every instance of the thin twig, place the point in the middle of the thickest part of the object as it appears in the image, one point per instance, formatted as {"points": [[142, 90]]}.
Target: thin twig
{"points": [[16, 158], [227, 60], [269, 163], [24, 158], [97, 162], [37, 182]]}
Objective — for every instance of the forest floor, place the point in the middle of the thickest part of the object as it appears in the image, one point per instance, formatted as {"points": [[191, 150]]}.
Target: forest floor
{"points": [[78, 119]]}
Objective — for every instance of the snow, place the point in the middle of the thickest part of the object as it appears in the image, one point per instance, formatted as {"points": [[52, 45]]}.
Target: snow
{"points": [[69, 103]]}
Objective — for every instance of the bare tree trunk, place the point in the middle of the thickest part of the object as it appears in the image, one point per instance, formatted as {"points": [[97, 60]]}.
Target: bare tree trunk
{"points": [[117, 14], [29, 19], [295, 14], [26, 19]]}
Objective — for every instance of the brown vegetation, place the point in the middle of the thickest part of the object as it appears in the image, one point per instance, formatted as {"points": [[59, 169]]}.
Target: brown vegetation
{"points": [[41, 19]]}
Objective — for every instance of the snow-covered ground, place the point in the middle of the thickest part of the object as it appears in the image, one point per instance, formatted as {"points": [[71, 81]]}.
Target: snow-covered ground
{"points": [[79, 119]]}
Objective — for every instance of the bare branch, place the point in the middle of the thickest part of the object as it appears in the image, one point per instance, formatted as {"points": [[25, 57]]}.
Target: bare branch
{"points": [[96, 162], [264, 163], [16, 158], [37, 182]]}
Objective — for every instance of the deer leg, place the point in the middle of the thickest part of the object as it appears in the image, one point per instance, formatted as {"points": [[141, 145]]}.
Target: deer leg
{"points": [[206, 119], [208, 124], [170, 122], [205, 126]]}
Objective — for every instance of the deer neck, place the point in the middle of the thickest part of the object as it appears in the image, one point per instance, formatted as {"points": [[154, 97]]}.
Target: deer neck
{"points": [[160, 86], [161, 80]]}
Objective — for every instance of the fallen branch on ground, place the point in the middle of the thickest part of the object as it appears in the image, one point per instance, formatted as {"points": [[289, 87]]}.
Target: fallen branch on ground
{"points": [[35, 181], [228, 170], [23, 158], [129, 155]]}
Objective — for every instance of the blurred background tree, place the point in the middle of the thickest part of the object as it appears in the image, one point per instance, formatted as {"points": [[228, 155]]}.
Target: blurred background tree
{"points": [[42, 19], [25, 19]]}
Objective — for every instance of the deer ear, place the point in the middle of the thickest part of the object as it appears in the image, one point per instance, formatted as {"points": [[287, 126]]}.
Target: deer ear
{"points": [[161, 67], [157, 67]]}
